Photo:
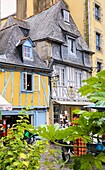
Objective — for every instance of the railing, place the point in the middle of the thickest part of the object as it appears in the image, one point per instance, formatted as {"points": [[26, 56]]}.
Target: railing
{"points": [[67, 93]]}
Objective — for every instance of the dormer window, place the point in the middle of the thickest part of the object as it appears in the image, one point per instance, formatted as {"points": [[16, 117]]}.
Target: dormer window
{"points": [[26, 46], [71, 46], [66, 16], [27, 50]]}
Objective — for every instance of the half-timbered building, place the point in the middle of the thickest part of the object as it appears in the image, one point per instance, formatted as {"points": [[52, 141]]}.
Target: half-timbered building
{"points": [[61, 46], [23, 75]]}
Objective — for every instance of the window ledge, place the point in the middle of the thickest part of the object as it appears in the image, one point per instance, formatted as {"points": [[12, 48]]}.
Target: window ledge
{"points": [[26, 58], [67, 22], [26, 91]]}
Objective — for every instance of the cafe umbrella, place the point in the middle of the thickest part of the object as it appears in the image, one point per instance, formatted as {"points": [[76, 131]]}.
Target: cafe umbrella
{"points": [[4, 105]]}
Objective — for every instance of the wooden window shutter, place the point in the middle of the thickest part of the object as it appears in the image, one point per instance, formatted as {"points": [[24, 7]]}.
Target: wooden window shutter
{"points": [[36, 82]]}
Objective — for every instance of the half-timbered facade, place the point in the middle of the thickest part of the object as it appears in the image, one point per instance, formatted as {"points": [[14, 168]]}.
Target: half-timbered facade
{"points": [[23, 75], [61, 46]]}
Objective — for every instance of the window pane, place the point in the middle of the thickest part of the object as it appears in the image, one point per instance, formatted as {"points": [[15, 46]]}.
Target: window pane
{"points": [[80, 80], [97, 41], [62, 77], [71, 45], [27, 52], [76, 81], [99, 65], [24, 81], [66, 15], [97, 11], [29, 82], [58, 73]]}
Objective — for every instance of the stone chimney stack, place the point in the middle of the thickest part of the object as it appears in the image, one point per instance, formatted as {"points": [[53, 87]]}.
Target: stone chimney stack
{"points": [[27, 8], [41, 5], [21, 11]]}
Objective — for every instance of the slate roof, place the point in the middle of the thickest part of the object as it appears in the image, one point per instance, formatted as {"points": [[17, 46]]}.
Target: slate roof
{"points": [[23, 40], [21, 23], [9, 53], [49, 24]]}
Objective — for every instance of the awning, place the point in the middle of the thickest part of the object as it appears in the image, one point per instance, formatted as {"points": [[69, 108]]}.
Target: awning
{"points": [[73, 103], [94, 106], [4, 105]]}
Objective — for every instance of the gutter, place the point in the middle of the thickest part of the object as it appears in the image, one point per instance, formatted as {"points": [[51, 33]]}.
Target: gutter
{"points": [[27, 67], [73, 65]]}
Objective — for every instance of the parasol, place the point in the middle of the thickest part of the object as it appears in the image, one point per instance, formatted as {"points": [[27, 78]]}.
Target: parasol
{"points": [[4, 105]]}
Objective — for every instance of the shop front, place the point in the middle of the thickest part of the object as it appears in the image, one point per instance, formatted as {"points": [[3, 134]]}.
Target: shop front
{"points": [[63, 111], [36, 117]]}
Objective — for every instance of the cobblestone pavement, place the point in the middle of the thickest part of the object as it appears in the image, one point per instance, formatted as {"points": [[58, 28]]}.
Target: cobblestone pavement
{"points": [[53, 164]]}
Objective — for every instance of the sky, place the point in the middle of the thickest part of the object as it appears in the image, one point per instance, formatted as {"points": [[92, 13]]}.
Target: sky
{"points": [[8, 7]]}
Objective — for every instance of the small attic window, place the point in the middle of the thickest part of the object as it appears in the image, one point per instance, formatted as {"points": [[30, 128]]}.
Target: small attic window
{"points": [[66, 16], [27, 50]]}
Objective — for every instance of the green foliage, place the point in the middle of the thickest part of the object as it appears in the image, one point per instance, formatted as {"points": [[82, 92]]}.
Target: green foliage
{"points": [[15, 153], [94, 88]]}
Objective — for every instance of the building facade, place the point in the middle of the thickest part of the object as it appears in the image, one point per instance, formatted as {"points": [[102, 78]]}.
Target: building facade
{"points": [[24, 78], [61, 46]]}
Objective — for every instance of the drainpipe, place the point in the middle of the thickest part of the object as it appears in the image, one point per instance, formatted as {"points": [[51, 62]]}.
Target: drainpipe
{"points": [[89, 21]]}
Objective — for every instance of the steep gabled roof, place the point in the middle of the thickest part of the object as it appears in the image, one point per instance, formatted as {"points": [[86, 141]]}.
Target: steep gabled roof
{"points": [[12, 20], [9, 54], [49, 24]]}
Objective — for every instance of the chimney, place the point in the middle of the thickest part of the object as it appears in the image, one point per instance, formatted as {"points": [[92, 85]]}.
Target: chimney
{"points": [[21, 11], [41, 5]]}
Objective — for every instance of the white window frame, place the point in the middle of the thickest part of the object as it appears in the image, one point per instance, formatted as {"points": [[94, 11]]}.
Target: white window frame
{"points": [[27, 54], [61, 81], [71, 45], [25, 82], [66, 16], [38, 82], [78, 82]]}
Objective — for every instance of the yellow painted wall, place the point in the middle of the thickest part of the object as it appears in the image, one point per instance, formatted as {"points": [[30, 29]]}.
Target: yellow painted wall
{"points": [[29, 8], [75, 7], [12, 92]]}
